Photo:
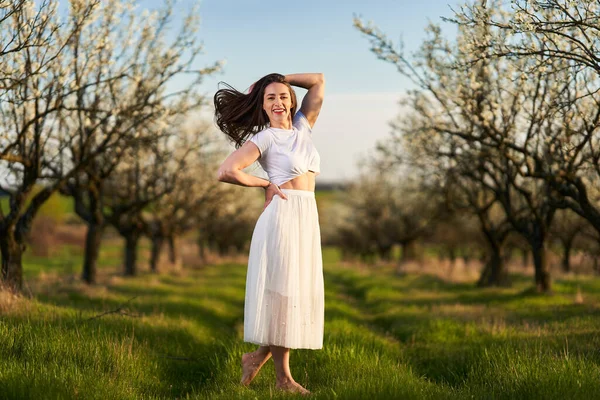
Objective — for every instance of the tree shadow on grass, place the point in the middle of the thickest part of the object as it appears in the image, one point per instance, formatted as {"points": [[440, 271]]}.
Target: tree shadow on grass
{"points": [[445, 347], [159, 294], [452, 364], [186, 363], [170, 362], [550, 314], [187, 367], [148, 306], [204, 303]]}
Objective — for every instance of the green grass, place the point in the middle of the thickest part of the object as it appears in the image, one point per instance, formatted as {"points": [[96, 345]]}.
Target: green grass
{"points": [[386, 337]]}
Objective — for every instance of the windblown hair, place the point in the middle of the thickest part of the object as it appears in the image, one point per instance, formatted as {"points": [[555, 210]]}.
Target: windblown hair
{"points": [[241, 115]]}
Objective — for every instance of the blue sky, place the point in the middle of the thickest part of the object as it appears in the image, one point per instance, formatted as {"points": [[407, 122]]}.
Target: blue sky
{"points": [[256, 37]]}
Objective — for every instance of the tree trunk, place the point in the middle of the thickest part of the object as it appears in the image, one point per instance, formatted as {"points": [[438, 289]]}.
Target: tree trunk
{"points": [[131, 242], [94, 217], [452, 255], [409, 252], [494, 271], [385, 252], [524, 257], [202, 250], [222, 248], [172, 250], [157, 244], [566, 261], [540, 263], [12, 265], [92, 251], [466, 256]]}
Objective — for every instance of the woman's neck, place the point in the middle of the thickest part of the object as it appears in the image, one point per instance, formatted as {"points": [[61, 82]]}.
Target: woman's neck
{"points": [[287, 124]]}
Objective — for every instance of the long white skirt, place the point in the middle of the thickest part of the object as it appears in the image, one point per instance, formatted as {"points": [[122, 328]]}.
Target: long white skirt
{"points": [[284, 285]]}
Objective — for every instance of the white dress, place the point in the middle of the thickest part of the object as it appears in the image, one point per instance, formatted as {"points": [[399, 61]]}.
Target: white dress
{"points": [[284, 284]]}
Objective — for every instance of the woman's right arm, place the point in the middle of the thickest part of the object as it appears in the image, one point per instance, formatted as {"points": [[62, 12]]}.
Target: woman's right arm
{"points": [[230, 170]]}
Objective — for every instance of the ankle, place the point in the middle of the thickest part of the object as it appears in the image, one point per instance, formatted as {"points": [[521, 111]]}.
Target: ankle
{"points": [[285, 380], [262, 354]]}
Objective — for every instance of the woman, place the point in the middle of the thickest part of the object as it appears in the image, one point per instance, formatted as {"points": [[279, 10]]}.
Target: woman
{"points": [[284, 284]]}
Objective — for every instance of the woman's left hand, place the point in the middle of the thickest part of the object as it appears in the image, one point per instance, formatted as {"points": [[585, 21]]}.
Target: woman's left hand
{"points": [[270, 192]]}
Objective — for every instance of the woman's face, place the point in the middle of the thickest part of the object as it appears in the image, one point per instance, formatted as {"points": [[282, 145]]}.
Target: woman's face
{"points": [[277, 103]]}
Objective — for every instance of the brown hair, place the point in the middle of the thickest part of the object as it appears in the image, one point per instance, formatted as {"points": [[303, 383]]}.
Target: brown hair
{"points": [[241, 115]]}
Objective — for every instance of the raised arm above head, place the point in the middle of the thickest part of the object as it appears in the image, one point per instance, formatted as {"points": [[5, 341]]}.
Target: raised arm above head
{"points": [[311, 104]]}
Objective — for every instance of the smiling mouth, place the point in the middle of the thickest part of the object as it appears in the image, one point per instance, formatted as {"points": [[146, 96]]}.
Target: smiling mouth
{"points": [[278, 111]]}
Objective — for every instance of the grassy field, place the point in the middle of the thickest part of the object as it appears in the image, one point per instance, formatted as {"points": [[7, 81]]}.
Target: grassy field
{"points": [[178, 335]]}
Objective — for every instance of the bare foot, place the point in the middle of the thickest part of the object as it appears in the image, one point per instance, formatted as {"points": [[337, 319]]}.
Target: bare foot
{"points": [[292, 386], [251, 364]]}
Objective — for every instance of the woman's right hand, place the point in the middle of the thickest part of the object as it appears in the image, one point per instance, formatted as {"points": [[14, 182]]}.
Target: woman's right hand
{"points": [[271, 191]]}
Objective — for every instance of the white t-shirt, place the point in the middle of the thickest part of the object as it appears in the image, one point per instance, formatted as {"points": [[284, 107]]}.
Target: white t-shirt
{"points": [[287, 153]]}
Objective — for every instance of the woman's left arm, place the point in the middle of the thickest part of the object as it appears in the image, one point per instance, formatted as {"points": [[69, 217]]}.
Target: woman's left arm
{"points": [[311, 104]]}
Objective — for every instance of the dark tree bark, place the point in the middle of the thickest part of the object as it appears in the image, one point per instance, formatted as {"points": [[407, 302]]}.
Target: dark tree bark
{"points": [[532, 220], [131, 227], [92, 252], [524, 257], [409, 251], [540, 263], [202, 249], [156, 233], [566, 259], [466, 256], [14, 230], [93, 216], [452, 254], [494, 271], [385, 252], [172, 249], [131, 242], [157, 244], [12, 267]]}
